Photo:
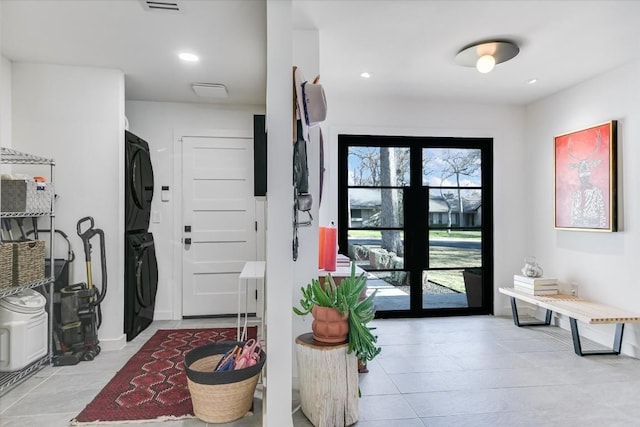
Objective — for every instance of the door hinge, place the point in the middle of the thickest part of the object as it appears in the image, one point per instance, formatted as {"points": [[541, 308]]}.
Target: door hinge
{"points": [[256, 294], [256, 224]]}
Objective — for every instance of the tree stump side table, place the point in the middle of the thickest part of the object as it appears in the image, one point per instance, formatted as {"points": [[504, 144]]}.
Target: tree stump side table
{"points": [[328, 382]]}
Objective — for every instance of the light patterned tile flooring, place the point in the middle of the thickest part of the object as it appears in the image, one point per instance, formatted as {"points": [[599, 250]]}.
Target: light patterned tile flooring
{"points": [[455, 371]]}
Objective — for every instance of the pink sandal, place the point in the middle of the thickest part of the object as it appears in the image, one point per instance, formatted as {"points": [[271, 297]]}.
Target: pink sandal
{"points": [[250, 354]]}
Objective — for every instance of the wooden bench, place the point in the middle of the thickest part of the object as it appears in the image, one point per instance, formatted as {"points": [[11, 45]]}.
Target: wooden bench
{"points": [[575, 308]]}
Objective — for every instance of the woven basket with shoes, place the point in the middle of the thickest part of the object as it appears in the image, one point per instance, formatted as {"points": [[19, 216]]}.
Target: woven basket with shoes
{"points": [[220, 397], [6, 266]]}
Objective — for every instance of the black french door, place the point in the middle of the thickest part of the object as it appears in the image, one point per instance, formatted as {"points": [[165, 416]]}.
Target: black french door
{"points": [[415, 213]]}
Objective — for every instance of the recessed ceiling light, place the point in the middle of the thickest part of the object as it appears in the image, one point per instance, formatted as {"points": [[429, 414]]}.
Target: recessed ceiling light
{"points": [[188, 57], [365, 75], [532, 81]]}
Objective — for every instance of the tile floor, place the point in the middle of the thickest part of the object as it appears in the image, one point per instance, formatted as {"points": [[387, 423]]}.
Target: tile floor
{"points": [[458, 371]]}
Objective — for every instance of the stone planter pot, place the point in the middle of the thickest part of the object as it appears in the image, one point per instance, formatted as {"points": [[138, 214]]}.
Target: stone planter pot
{"points": [[329, 326]]}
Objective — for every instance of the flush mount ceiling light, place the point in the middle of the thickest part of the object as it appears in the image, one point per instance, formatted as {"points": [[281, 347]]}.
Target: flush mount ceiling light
{"points": [[486, 55], [188, 57], [210, 90]]}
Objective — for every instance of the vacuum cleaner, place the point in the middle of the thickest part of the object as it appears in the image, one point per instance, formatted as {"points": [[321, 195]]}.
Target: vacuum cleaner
{"points": [[61, 272], [76, 337]]}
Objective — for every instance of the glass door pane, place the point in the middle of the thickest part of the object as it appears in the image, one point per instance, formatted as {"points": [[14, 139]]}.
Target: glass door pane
{"points": [[451, 167], [377, 176], [378, 166], [452, 179], [379, 251]]}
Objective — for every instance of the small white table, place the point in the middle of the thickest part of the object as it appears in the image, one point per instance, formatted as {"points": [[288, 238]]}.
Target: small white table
{"points": [[252, 270]]}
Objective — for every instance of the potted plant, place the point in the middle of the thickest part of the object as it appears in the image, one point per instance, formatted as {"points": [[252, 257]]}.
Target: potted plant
{"points": [[346, 300]]}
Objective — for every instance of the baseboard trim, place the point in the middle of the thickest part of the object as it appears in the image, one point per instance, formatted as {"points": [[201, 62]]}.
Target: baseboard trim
{"points": [[113, 344], [163, 315]]}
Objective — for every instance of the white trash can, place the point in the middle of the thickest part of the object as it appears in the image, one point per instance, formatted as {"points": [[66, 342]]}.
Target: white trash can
{"points": [[23, 329]]}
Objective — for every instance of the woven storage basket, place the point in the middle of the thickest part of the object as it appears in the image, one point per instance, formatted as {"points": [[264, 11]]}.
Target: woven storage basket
{"points": [[28, 262], [6, 266], [220, 397]]}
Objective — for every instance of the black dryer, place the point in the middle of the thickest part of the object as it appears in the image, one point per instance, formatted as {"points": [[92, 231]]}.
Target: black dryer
{"points": [[139, 183]]}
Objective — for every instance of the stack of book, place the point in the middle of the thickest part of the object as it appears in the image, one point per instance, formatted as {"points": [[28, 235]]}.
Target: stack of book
{"points": [[343, 261], [535, 285]]}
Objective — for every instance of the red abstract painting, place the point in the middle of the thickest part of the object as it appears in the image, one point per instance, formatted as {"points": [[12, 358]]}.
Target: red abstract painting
{"points": [[585, 179]]}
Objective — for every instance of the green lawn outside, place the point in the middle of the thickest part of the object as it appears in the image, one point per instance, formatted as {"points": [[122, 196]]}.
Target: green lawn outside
{"points": [[446, 257], [442, 257], [373, 234], [364, 234], [456, 234]]}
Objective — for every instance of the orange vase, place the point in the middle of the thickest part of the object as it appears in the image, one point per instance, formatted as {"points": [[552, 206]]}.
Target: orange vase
{"points": [[330, 248], [329, 326], [321, 241]]}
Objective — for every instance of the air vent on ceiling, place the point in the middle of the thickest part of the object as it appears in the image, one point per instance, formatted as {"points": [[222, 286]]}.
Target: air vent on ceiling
{"points": [[210, 90], [168, 5]]}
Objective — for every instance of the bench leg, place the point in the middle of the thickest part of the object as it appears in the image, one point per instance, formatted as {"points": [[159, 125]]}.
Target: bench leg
{"points": [[516, 319], [617, 341]]}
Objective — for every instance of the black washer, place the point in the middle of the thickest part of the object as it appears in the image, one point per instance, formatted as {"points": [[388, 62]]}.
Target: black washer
{"points": [[141, 283]]}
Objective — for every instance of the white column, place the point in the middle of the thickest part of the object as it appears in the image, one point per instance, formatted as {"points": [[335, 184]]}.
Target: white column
{"points": [[306, 56], [278, 396]]}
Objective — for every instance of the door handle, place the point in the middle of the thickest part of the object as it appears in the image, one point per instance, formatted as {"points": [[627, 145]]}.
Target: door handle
{"points": [[187, 240]]}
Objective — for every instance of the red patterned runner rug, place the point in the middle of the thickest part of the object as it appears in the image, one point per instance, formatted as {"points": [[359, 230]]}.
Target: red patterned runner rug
{"points": [[152, 386]]}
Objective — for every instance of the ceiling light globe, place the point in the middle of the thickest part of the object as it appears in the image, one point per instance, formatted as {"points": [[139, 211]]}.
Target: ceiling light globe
{"points": [[485, 63]]}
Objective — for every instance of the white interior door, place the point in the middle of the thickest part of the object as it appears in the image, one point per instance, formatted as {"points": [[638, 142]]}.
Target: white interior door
{"points": [[219, 208]]}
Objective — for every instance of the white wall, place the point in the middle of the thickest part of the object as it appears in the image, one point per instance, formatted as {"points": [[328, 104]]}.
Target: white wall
{"points": [[5, 95], [156, 123], [75, 115], [602, 264], [5, 102], [505, 124]]}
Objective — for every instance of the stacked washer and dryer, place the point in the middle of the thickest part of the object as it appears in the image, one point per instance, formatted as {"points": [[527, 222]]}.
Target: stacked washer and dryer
{"points": [[141, 268]]}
